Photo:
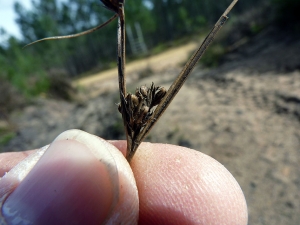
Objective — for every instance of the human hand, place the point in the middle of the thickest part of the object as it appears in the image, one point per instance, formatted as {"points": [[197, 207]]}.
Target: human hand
{"points": [[82, 179]]}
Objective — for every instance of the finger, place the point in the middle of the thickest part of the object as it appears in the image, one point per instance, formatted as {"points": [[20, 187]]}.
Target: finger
{"points": [[79, 179], [182, 186], [10, 159]]}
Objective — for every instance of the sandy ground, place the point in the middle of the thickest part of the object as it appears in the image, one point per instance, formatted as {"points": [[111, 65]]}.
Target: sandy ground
{"points": [[157, 63], [245, 114]]}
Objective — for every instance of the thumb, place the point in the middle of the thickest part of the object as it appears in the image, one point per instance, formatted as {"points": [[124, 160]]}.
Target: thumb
{"points": [[78, 179]]}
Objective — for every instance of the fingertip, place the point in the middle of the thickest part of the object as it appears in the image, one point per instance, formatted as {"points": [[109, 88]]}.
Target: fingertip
{"points": [[78, 179], [68, 184], [182, 186], [120, 144]]}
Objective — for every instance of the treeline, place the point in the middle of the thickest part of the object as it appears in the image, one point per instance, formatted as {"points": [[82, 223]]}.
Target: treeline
{"points": [[160, 20]]}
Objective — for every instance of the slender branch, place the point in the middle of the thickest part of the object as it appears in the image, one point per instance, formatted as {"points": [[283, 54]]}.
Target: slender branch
{"points": [[121, 71], [121, 51], [177, 84], [229, 8], [74, 35]]}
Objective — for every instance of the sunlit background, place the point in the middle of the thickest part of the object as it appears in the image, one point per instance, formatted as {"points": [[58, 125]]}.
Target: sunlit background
{"points": [[153, 23]]}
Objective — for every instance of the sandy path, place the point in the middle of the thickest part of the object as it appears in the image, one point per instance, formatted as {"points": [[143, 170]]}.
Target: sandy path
{"points": [[156, 63]]}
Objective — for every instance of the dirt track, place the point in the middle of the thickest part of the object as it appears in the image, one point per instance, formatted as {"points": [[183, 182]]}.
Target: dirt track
{"points": [[245, 113], [157, 63]]}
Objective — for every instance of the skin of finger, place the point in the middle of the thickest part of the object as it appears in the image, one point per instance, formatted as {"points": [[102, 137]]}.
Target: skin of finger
{"points": [[10, 159], [61, 183], [127, 209], [144, 181], [182, 186], [127, 199], [16, 174]]}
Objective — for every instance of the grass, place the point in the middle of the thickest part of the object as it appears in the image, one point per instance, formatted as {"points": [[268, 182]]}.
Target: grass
{"points": [[6, 133], [212, 56], [6, 137]]}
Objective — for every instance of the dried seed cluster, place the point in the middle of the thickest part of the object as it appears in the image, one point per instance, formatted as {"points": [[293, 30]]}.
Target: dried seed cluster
{"points": [[139, 107]]}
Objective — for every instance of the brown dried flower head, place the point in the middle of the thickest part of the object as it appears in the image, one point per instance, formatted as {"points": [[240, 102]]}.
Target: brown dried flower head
{"points": [[139, 107]]}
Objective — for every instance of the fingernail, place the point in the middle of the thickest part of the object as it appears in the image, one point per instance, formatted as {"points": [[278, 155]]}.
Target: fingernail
{"points": [[74, 182]]}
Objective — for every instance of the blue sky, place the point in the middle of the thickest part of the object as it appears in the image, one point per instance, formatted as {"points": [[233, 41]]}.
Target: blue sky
{"points": [[8, 16]]}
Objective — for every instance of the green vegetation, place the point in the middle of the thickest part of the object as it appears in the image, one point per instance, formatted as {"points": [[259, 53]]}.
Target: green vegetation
{"points": [[22, 70], [212, 55], [31, 70], [6, 133], [6, 137]]}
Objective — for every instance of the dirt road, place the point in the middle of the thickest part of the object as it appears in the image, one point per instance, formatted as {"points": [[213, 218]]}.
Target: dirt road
{"points": [[156, 64]]}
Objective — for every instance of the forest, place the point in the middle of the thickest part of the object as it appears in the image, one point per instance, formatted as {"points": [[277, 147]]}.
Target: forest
{"points": [[30, 71]]}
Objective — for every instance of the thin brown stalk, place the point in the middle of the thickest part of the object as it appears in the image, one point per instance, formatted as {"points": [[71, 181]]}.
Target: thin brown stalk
{"points": [[121, 69], [74, 35], [177, 84]]}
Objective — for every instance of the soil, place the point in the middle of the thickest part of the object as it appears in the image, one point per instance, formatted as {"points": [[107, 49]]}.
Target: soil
{"points": [[245, 113]]}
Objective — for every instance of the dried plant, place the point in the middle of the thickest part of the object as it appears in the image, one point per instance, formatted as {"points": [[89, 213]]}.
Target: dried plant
{"points": [[141, 110]]}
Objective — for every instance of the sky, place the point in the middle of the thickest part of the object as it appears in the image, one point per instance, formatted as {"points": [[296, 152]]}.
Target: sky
{"points": [[8, 16]]}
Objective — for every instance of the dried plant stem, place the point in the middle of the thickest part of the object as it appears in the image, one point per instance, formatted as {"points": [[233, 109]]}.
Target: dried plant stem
{"points": [[121, 51], [177, 84], [121, 68], [74, 35]]}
